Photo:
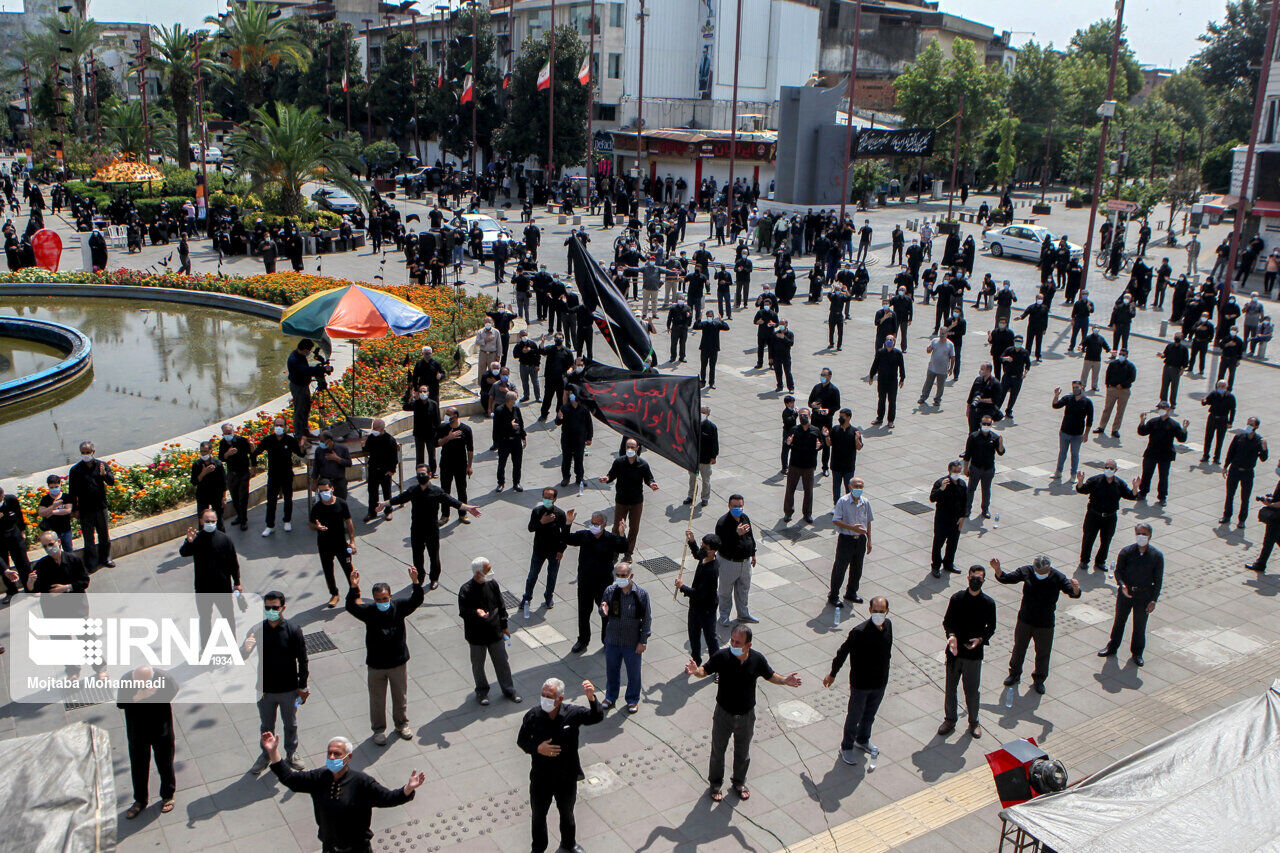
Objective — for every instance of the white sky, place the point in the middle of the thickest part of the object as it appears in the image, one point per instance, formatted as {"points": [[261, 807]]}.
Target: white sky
{"points": [[1162, 32]]}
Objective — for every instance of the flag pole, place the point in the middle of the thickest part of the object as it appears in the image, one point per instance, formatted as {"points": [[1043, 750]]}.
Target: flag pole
{"points": [[551, 100], [591, 86], [697, 482]]}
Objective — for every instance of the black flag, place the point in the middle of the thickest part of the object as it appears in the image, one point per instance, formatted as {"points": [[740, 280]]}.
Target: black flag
{"points": [[622, 329], [660, 412]]}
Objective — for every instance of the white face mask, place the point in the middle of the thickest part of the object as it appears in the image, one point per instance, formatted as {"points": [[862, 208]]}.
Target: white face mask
{"points": [[210, 526], [596, 529], [325, 494], [986, 427], [631, 454], [623, 582], [956, 475], [86, 457], [547, 705], [375, 433], [877, 619], [1040, 576], [1248, 429], [206, 458], [1109, 474], [1142, 540], [278, 430]]}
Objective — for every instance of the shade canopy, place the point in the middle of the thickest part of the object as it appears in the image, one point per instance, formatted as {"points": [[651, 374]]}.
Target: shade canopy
{"points": [[354, 312], [127, 172]]}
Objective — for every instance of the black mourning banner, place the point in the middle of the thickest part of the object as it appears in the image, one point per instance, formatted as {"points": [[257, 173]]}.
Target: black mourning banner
{"points": [[663, 413], [912, 142], [620, 328]]}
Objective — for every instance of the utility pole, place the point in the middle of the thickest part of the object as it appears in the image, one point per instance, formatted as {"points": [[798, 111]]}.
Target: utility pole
{"points": [[1048, 144], [1122, 159], [644, 14], [733, 113], [144, 48], [204, 141], [551, 101], [368, 107], [593, 24], [955, 157], [848, 131], [1258, 101], [328, 63], [97, 113], [1155, 145], [413, 77], [26, 88], [1107, 110], [475, 76]]}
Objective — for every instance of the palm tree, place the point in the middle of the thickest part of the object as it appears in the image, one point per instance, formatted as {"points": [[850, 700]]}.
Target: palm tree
{"points": [[173, 51], [76, 36], [126, 132], [253, 37], [290, 147]]}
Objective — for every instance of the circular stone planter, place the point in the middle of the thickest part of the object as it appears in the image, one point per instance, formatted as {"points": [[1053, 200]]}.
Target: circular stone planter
{"points": [[72, 343]]}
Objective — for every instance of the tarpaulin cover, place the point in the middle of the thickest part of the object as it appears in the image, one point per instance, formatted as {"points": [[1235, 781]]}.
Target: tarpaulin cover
{"points": [[1211, 786], [58, 792]]}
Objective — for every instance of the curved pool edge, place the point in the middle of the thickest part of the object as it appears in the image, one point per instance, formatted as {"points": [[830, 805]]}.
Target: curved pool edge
{"points": [[76, 347]]}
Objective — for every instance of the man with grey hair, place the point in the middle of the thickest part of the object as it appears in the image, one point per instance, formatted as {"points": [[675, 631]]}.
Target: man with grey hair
{"points": [[386, 650], [1042, 585], [708, 450], [343, 799], [234, 451], [549, 734], [628, 623], [1139, 577], [484, 624]]}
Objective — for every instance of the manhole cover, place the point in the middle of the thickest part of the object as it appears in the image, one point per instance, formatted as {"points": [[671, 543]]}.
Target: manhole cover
{"points": [[914, 507], [1014, 486], [318, 642], [794, 714], [791, 534], [660, 565], [600, 780]]}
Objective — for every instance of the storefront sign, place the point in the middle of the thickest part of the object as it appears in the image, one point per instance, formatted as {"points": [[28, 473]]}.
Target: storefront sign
{"points": [[912, 142]]}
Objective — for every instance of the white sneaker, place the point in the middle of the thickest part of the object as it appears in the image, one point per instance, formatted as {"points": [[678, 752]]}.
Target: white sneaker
{"points": [[288, 526], [267, 531]]}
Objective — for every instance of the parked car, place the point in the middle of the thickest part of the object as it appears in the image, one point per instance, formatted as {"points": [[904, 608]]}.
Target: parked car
{"points": [[489, 231], [1022, 241], [336, 200]]}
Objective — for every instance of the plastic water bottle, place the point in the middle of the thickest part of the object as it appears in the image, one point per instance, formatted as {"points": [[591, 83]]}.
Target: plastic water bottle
{"points": [[872, 761], [1111, 568], [835, 622], [996, 518], [1008, 697], [526, 610]]}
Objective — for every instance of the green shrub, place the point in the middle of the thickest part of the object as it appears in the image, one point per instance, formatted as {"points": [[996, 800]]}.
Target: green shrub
{"points": [[324, 218]]}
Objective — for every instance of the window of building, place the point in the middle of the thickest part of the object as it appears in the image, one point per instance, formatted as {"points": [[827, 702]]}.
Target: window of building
{"points": [[606, 112], [1269, 126], [615, 66], [616, 12], [833, 15]]}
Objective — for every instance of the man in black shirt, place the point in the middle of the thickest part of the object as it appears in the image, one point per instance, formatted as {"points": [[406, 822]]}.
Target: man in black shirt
{"points": [[342, 799], [234, 451], [709, 346], [632, 475], [950, 499], [999, 339], [484, 625], [54, 511], [1017, 364], [969, 622], [549, 525], [1139, 577], [980, 451], [1162, 432], [844, 442], [708, 452], [703, 595], [284, 676], [868, 648], [1042, 584], [13, 543], [335, 535], [824, 401], [890, 373], [301, 374], [457, 450], [1105, 491], [738, 667], [1037, 317], [1119, 378], [386, 650], [330, 462], [576, 429], [1221, 404], [1093, 346], [148, 723], [1246, 450], [1077, 417], [382, 457], [1176, 360], [509, 436], [1081, 308], [557, 359], [780, 344], [217, 570], [598, 550], [805, 442], [426, 502], [426, 421], [209, 477], [529, 356], [281, 448], [427, 371], [549, 734], [737, 556], [983, 398], [679, 318]]}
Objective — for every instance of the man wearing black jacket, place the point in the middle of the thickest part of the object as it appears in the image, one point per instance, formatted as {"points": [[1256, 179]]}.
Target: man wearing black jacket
{"points": [[983, 394], [386, 650], [281, 448], [1176, 360], [284, 676], [780, 344], [679, 318], [509, 436], [427, 371], [1077, 417], [890, 372], [13, 544], [709, 346], [1162, 433], [1244, 452], [549, 525], [457, 451], [1105, 491], [969, 622], [708, 450], [426, 421], [209, 477], [766, 320], [703, 596], [597, 551], [737, 555], [868, 648], [382, 456], [529, 356], [1081, 308], [980, 451], [426, 502], [484, 625], [824, 401], [1041, 587], [1017, 364], [632, 475], [233, 452], [951, 499], [217, 570], [557, 359], [1119, 379], [549, 733], [1037, 317], [576, 429], [1221, 404]]}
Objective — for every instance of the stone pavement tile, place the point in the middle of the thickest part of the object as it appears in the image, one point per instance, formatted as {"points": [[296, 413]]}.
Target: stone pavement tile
{"points": [[212, 831]]}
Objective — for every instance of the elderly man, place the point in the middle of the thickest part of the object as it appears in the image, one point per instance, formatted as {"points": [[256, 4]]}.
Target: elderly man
{"points": [[597, 550], [549, 734], [343, 799], [632, 474], [382, 458], [1042, 585], [386, 650], [852, 518], [484, 625], [331, 461], [217, 571], [628, 623], [1139, 577], [148, 726]]}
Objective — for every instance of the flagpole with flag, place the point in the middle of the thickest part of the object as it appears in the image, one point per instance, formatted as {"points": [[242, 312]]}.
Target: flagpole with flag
{"points": [[621, 329], [584, 72], [468, 91], [544, 77]]}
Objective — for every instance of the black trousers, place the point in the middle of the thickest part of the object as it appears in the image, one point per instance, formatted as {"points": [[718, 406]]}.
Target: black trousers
{"points": [[1169, 379], [850, 552], [886, 393], [1269, 537], [143, 745], [1241, 478], [679, 338], [97, 540], [946, 532], [542, 791], [425, 443], [1035, 337], [13, 554], [708, 364], [453, 477], [781, 369], [762, 345], [1023, 634], [378, 480], [589, 596], [426, 538], [551, 388], [509, 448], [1215, 430], [279, 485], [702, 625], [835, 333], [327, 557], [1137, 604], [572, 451], [1097, 525], [1199, 349], [1149, 467]]}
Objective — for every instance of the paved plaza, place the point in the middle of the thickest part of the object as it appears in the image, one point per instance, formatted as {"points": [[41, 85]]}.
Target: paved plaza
{"points": [[1211, 640]]}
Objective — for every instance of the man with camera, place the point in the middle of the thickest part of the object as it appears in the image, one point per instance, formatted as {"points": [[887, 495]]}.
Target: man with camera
{"points": [[301, 375]]}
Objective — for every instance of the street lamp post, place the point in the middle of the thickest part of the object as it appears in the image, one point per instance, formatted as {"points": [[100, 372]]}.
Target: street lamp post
{"points": [[848, 133], [475, 76], [1048, 144], [955, 158], [640, 101], [1108, 111], [592, 23], [368, 107], [551, 100]]}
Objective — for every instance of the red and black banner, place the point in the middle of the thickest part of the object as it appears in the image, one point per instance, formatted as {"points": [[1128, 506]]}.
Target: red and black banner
{"points": [[618, 325], [660, 412]]}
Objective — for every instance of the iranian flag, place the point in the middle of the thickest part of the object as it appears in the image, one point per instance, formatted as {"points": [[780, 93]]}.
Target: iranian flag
{"points": [[544, 77], [344, 80], [584, 73], [506, 81], [468, 90], [440, 77]]}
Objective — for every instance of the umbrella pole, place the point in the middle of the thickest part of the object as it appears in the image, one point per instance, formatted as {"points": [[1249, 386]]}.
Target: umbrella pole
{"points": [[353, 380]]}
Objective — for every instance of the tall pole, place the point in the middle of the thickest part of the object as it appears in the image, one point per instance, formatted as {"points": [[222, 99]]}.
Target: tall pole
{"points": [[955, 157], [413, 79], [1258, 100], [31, 117], [1048, 144], [848, 131], [591, 87], [551, 101], [204, 141], [144, 47], [328, 62], [640, 101], [1102, 143], [346, 71], [97, 112], [733, 111], [368, 107], [1155, 145], [475, 75]]}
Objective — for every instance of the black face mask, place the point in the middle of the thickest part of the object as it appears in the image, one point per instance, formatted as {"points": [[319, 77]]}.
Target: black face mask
{"points": [[424, 478], [975, 584]]}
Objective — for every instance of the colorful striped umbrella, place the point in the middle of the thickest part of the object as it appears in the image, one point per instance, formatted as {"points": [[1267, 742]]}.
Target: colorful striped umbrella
{"points": [[353, 312]]}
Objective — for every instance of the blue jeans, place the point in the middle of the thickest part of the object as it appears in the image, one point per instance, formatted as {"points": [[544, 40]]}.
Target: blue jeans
{"points": [[863, 705], [535, 568], [839, 483], [614, 658], [1073, 442]]}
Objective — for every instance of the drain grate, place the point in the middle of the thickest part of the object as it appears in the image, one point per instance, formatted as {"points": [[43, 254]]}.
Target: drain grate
{"points": [[914, 507], [661, 565], [88, 697], [511, 601], [1014, 486], [792, 534], [318, 643]]}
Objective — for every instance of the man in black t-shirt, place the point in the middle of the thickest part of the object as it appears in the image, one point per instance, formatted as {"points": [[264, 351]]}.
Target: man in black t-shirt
{"points": [[335, 535], [738, 667]]}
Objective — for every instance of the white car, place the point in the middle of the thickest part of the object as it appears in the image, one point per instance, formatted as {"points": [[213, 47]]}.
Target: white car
{"points": [[489, 231], [335, 200], [1022, 241]]}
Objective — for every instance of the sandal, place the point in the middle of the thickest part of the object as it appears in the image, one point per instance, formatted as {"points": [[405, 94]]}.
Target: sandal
{"points": [[134, 810], [716, 795], [166, 807], [333, 602], [742, 792]]}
